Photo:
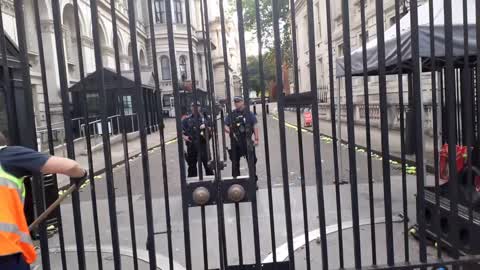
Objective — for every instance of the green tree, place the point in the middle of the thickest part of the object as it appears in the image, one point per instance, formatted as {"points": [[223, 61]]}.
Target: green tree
{"points": [[250, 24], [254, 73]]}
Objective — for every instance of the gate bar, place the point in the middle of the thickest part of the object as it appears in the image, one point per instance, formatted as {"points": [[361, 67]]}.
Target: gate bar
{"points": [[239, 234], [367, 131], [102, 94], [250, 147], [299, 132], [258, 20], [91, 171], [419, 137], [194, 86], [316, 136], [181, 160], [161, 133], [477, 71], [402, 131], [281, 122], [229, 111], [140, 105], [384, 131], [105, 135], [351, 129], [77, 216], [467, 116], [46, 106], [27, 125], [335, 144], [211, 91], [197, 124], [126, 157]]}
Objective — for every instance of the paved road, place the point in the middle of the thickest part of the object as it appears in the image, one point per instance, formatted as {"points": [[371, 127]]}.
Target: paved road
{"points": [[294, 185]]}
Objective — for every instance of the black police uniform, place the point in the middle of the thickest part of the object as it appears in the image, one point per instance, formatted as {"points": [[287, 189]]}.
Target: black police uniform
{"points": [[241, 124], [197, 138]]}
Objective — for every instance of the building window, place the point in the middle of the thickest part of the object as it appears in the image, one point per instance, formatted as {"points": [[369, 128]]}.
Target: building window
{"points": [[200, 69], [178, 11], [340, 50], [165, 64], [160, 11], [183, 67], [127, 105]]}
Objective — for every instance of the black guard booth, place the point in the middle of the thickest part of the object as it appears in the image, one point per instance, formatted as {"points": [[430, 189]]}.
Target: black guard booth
{"points": [[120, 99], [16, 110]]}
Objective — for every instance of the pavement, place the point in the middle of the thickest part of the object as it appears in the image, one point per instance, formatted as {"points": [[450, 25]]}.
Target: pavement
{"points": [[117, 150], [325, 127], [294, 183]]}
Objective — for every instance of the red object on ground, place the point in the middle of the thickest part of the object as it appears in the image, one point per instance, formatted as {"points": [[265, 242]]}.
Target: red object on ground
{"points": [[307, 119], [461, 156]]}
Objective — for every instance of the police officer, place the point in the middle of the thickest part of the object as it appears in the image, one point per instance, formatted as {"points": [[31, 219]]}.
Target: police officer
{"points": [[242, 126], [196, 138], [17, 251]]}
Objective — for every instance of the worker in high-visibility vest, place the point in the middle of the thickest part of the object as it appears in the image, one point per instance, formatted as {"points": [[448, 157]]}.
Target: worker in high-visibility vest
{"points": [[16, 162]]}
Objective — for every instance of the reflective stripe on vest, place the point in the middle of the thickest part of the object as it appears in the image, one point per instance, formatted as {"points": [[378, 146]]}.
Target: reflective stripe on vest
{"points": [[12, 228], [13, 182]]}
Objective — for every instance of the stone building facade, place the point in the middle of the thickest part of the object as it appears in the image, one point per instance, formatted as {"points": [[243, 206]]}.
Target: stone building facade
{"points": [[321, 42], [106, 40]]}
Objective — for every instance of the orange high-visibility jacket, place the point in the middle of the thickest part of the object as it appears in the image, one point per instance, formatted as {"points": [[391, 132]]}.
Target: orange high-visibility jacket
{"points": [[14, 234]]}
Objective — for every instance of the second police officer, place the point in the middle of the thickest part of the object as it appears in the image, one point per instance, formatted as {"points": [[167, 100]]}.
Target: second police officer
{"points": [[195, 129], [242, 125]]}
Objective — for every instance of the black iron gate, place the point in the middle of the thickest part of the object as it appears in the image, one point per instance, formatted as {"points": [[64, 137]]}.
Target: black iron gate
{"points": [[427, 50]]}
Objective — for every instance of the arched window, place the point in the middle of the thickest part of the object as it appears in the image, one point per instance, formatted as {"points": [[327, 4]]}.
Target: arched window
{"points": [[178, 11], [165, 65], [183, 67], [160, 11]]}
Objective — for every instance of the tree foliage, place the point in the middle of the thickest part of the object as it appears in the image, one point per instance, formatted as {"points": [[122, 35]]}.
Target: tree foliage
{"points": [[267, 35], [254, 73], [266, 17]]}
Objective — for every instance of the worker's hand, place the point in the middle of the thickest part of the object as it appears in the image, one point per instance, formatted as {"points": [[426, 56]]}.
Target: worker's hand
{"points": [[202, 126], [78, 181], [255, 141], [187, 138]]}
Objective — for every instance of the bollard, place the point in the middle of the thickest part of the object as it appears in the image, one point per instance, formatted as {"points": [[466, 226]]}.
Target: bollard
{"points": [[255, 109], [268, 109]]}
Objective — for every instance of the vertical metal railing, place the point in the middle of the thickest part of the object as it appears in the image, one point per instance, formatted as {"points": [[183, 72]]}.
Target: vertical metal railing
{"points": [[455, 91], [156, 76], [126, 155], [259, 24], [281, 117], [335, 142], [402, 132], [102, 94], [61, 59], [25, 124], [87, 134], [181, 159], [299, 124], [368, 132], [419, 135], [140, 105], [384, 130]]}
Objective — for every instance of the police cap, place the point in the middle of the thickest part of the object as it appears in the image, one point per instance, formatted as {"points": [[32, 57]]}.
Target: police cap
{"points": [[237, 99], [195, 103]]}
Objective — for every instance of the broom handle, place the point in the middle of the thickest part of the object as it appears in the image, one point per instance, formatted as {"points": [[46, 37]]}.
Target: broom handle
{"points": [[52, 207]]}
